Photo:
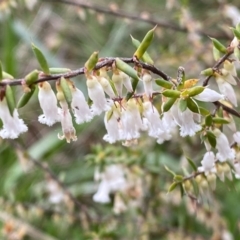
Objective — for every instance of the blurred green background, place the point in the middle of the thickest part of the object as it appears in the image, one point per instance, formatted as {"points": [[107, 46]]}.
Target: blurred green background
{"points": [[68, 35]]}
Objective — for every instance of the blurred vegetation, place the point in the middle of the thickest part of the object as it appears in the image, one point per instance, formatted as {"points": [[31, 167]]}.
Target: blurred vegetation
{"points": [[68, 35]]}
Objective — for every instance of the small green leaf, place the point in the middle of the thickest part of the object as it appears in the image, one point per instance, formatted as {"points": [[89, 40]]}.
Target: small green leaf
{"points": [[195, 91], [7, 75], [211, 138], [170, 171], [219, 120], [192, 105], [172, 186], [207, 72], [219, 46], [171, 93], [10, 99], [145, 57], [92, 61], [168, 104], [41, 59], [26, 97], [59, 70], [163, 83], [236, 33], [192, 164], [66, 90], [144, 44], [208, 120], [31, 77], [203, 111], [178, 178], [216, 54], [182, 105]]}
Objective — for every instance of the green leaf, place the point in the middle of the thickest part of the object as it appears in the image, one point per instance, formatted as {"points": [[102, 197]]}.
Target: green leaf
{"points": [[163, 83], [192, 164], [178, 178], [170, 171], [66, 90], [216, 54], [207, 72], [192, 105], [26, 97], [31, 77], [219, 46], [219, 120], [172, 186], [182, 105], [59, 70], [208, 120], [211, 138], [41, 59], [171, 93], [144, 44], [145, 57], [10, 99], [236, 33], [92, 61], [7, 75], [195, 91], [168, 104]]}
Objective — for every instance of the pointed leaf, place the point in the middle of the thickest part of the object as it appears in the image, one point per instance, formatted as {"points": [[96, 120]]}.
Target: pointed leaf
{"points": [[192, 164], [92, 61], [170, 171], [26, 97], [59, 70], [41, 59], [163, 83], [32, 77], [211, 138], [172, 186], [171, 93], [208, 120], [182, 105], [219, 46], [168, 104], [10, 99], [66, 90]]}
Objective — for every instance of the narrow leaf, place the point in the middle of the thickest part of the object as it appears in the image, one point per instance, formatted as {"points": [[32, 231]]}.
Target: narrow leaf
{"points": [[26, 97], [10, 99], [66, 90]]}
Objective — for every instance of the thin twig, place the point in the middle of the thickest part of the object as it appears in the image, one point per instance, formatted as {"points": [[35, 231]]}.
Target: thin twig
{"points": [[136, 17]]}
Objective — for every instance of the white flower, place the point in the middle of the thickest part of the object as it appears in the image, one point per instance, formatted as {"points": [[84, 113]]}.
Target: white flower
{"points": [[106, 87], [118, 82], [102, 194], [112, 127], [131, 121], [147, 83], [237, 170], [80, 107], [227, 90], [236, 137], [209, 95], [208, 165], [119, 205], [112, 180], [126, 81], [13, 126], [69, 132], [96, 94], [48, 103], [154, 123], [225, 152], [186, 121]]}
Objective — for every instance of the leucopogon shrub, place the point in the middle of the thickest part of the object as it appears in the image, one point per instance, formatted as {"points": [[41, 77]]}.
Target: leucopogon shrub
{"points": [[129, 92]]}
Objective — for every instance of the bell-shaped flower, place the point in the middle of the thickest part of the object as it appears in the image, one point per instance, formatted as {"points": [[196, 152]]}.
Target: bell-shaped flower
{"points": [[230, 68], [154, 123], [209, 95], [106, 87], [185, 120], [80, 107], [69, 132], [147, 83], [237, 170], [208, 164], [118, 82], [48, 103], [96, 94], [126, 81], [225, 152], [112, 180], [111, 121], [131, 122], [236, 137], [13, 126], [226, 89]]}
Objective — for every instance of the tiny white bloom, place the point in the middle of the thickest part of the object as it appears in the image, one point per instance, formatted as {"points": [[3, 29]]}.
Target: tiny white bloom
{"points": [[118, 82], [208, 163], [69, 132], [48, 103], [236, 137], [225, 152], [126, 81], [102, 194], [227, 90], [185, 120], [209, 95], [13, 126], [80, 107], [106, 87], [96, 94], [147, 83]]}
